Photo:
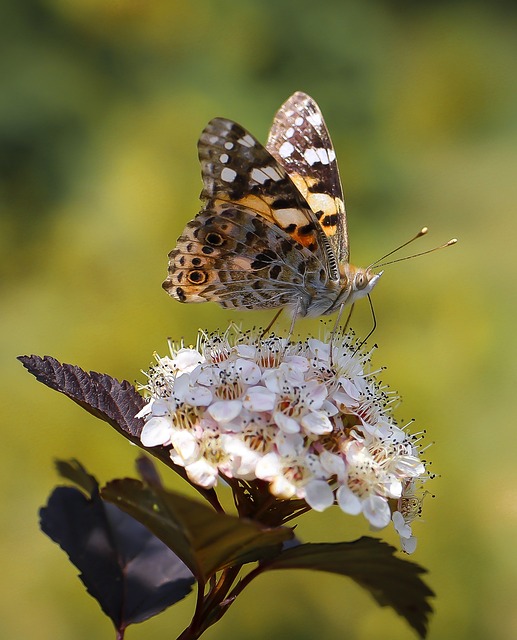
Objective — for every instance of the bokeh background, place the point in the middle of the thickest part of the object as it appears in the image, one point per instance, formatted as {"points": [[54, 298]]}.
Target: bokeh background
{"points": [[101, 105]]}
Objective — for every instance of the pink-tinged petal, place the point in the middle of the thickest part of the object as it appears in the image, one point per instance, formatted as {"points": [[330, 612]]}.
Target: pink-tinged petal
{"points": [[282, 488], [316, 423], [224, 411], [377, 511], [319, 495], [268, 466], [286, 423], [321, 350], [333, 464], [246, 350], [156, 431], [289, 444], [198, 396], [185, 444], [348, 501], [202, 473], [300, 363], [259, 399], [249, 372]]}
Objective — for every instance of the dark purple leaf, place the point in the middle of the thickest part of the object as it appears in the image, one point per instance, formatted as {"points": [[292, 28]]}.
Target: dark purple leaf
{"points": [[115, 402], [206, 541], [129, 571], [372, 564]]}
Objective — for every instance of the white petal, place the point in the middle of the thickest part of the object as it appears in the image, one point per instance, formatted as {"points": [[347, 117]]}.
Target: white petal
{"points": [[316, 422], [316, 395], [156, 431], [286, 423], [224, 411], [409, 466], [329, 409], [321, 350], [202, 473], [289, 444], [146, 409], [408, 544], [185, 445], [300, 363], [259, 399], [246, 350], [319, 495], [187, 359], [403, 529], [377, 511], [348, 501], [282, 488], [198, 396], [249, 372], [268, 466], [333, 464]]}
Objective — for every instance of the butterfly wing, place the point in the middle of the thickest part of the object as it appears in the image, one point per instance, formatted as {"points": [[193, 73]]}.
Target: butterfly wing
{"points": [[237, 257], [300, 141], [236, 168], [256, 244]]}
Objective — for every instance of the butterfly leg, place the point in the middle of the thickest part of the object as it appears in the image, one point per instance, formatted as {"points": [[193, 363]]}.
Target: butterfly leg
{"points": [[294, 318], [372, 329], [336, 325], [268, 328]]}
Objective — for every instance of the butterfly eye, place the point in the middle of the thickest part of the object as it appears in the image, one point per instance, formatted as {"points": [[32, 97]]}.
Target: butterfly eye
{"points": [[361, 281]]}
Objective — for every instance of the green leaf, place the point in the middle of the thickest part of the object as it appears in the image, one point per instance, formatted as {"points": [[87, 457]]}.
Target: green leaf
{"points": [[206, 541], [372, 564]]}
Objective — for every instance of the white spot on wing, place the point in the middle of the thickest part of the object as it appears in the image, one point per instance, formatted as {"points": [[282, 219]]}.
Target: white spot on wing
{"points": [[258, 175], [228, 175], [272, 173], [315, 119], [332, 155], [311, 156], [228, 145], [299, 121], [289, 133], [285, 150], [246, 141], [317, 155], [264, 174], [224, 157], [323, 155], [213, 139]]}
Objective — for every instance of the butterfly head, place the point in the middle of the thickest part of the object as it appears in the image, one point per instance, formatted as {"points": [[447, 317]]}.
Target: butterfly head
{"points": [[359, 282]]}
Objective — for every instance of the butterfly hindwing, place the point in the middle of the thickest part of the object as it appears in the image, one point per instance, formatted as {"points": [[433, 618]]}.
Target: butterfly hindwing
{"points": [[236, 168], [300, 141], [212, 261]]}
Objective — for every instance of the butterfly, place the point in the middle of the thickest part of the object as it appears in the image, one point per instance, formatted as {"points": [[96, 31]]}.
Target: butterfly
{"points": [[272, 231]]}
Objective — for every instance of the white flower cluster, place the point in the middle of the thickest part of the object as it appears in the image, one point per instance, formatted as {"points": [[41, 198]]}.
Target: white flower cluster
{"points": [[308, 418]]}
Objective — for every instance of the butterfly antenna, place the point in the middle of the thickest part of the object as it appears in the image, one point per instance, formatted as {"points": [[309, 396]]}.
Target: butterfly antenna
{"points": [[378, 263]]}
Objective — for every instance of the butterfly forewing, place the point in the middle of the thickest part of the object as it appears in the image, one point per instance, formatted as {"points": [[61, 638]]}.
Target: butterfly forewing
{"points": [[272, 231], [300, 141], [236, 168]]}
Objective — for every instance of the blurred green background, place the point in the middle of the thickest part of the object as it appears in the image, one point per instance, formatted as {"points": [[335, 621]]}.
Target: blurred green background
{"points": [[101, 105]]}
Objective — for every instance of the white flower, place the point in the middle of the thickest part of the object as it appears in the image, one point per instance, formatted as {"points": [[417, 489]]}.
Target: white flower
{"points": [[308, 418]]}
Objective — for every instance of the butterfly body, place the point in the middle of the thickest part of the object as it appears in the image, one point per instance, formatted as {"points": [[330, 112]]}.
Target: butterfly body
{"points": [[272, 232]]}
